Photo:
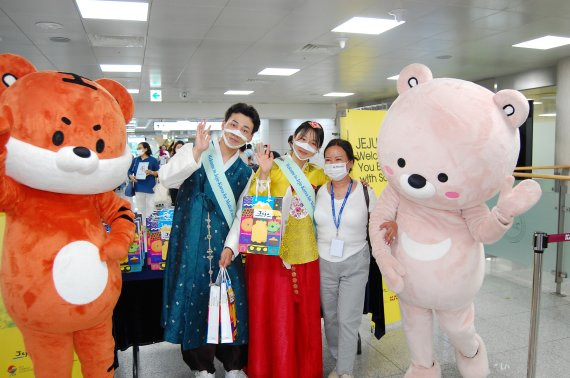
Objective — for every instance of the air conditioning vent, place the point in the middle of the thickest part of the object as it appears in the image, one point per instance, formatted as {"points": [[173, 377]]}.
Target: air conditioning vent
{"points": [[257, 81], [315, 49], [116, 41]]}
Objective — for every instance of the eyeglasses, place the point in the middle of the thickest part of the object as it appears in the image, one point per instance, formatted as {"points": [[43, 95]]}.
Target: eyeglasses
{"points": [[245, 129]]}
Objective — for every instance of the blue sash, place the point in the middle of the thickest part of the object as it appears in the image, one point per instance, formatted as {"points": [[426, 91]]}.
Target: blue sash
{"points": [[213, 166], [299, 181]]}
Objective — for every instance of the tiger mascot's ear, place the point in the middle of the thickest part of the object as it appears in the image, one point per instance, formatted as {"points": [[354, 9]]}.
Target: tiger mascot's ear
{"points": [[123, 97], [12, 68]]}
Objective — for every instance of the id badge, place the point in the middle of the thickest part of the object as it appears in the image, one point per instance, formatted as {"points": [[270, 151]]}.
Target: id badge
{"points": [[337, 247]]}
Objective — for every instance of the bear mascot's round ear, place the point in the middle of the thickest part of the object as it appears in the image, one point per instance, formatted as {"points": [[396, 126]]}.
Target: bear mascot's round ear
{"points": [[12, 68], [413, 75], [514, 106], [124, 99]]}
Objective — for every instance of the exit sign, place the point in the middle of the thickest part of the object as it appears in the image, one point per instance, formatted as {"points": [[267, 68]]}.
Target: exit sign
{"points": [[155, 95]]}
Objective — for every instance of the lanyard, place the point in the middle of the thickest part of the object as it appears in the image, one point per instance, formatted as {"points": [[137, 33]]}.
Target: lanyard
{"points": [[335, 220]]}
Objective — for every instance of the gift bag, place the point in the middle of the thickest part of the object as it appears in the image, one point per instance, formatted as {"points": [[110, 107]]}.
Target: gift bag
{"points": [[161, 196], [261, 225], [214, 314], [225, 320], [232, 306]]}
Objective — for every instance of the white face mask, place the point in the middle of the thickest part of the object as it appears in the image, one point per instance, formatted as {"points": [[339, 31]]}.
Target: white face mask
{"points": [[140, 152], [236, 133], [304, 146], [336, 171]]}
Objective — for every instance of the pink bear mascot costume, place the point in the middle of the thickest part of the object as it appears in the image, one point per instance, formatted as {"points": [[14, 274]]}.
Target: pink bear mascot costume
{"points": [[446, 146]]}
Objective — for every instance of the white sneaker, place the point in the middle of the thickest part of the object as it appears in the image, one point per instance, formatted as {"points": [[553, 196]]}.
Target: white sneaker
{"points": [[346, 376], [333, 374], [204, 374], [235, 374]]}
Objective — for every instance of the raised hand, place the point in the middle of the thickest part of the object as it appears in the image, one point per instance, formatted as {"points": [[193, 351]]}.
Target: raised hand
{"points": [[517, 200], [264, 158], [202, 141]]}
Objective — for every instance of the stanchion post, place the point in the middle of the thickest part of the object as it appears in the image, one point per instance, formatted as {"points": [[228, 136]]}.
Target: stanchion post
{"points": [[540, 242], [562, 190]]}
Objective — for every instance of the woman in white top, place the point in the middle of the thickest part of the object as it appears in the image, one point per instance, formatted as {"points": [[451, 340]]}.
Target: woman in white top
{"points": [[341, 216]]}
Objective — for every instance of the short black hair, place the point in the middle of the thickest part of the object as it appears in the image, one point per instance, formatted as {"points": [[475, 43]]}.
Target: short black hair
{"points": [[344, 144], [147, 146], [246, 110], [307, 126], [275, 154], [290, 140]]}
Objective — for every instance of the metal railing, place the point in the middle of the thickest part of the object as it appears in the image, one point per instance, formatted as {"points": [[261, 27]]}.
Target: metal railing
{"points": [[541, 241]]}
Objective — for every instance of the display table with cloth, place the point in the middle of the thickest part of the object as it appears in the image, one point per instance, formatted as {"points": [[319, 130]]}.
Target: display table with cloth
{"points": [[136, 319]]}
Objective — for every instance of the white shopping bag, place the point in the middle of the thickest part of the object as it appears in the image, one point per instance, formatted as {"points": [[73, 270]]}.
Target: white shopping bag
{"points": [[225, 320], [214, 314]]}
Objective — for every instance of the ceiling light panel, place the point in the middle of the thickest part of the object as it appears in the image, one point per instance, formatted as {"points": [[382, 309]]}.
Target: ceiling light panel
{"points": [[279, 71], [133, 91], [395, 77], [121, 67], [367, 25], [544, 43], [238, 93], [113, 10]]}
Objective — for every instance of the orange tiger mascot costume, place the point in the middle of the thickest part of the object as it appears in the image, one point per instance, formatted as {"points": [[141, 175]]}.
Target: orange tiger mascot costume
{"points": [[62, 152]]}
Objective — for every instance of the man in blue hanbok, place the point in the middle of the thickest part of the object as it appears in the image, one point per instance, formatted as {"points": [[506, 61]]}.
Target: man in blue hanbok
{"points": [[211, 178]]}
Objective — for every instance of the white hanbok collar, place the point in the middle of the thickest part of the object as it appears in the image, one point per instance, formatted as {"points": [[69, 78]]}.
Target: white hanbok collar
{"points": [[231, 160]]}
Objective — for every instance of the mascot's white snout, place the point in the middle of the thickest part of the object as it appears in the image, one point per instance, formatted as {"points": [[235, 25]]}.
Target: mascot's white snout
{"points": [[77, 159]]}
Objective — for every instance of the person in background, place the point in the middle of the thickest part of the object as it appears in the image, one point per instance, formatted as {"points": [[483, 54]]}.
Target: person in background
{"points": [[250, 162], [341, 217], [143, 173], [283, 291], [163, 155], [243, 152], [211, 177], [173, 148]]}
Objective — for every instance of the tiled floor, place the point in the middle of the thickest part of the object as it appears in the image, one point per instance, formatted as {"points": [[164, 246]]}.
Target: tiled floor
{"points": [[502, 310]]}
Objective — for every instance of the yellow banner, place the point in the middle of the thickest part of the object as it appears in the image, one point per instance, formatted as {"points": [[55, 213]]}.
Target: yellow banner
{"points": [[360, 128], [14, 360]]}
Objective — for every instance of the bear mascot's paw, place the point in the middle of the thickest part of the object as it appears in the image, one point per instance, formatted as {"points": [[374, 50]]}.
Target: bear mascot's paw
{"points": [[518, 200], [476, 366], [422, 372]]}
